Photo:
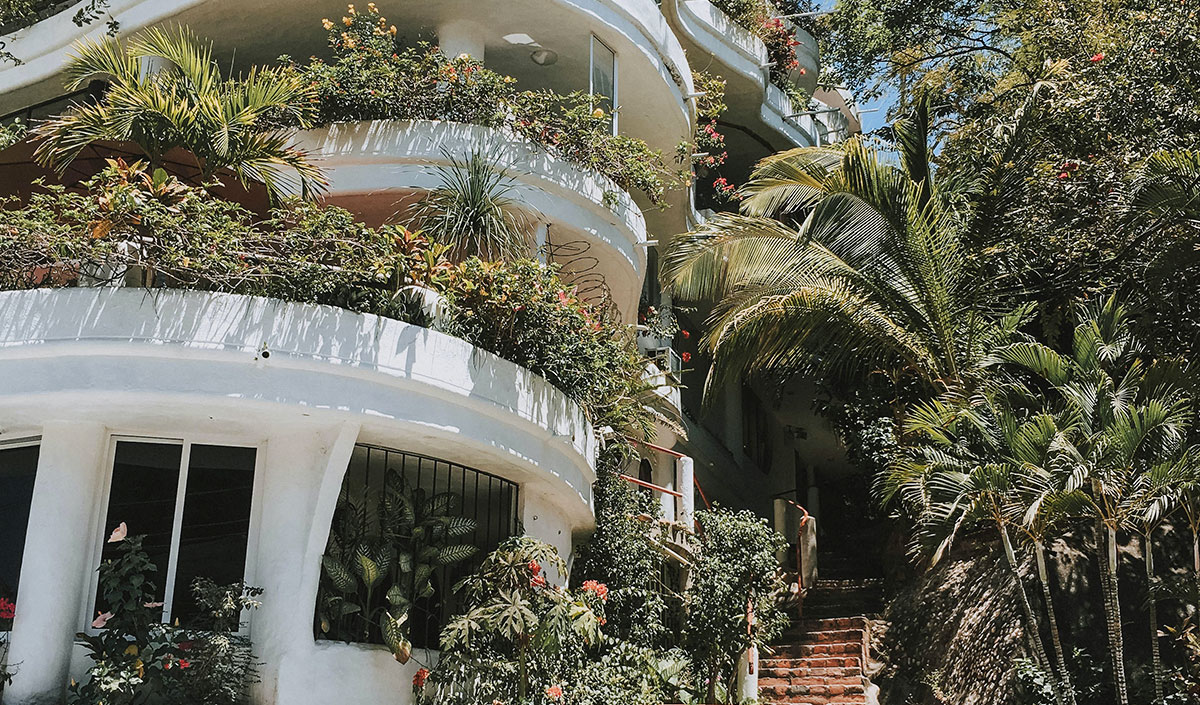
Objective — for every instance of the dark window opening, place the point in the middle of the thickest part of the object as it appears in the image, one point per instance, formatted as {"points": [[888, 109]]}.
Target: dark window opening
{"points": [[18, 469]]}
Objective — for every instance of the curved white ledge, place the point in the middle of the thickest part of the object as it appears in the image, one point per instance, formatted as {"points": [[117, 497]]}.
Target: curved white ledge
{"points": [[158, 361], [744, 58], [655, 75], [386, 158]]}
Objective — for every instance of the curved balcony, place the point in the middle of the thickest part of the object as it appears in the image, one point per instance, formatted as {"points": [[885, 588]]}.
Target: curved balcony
{"points": [[653, 74], [741, 58], [374, 166]]}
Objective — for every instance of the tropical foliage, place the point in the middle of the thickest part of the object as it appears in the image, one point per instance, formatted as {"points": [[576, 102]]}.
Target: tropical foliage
{"points": [[842, 264], [379, 567], [146, 228], [224, 124], [373, 77], [136, 658]]}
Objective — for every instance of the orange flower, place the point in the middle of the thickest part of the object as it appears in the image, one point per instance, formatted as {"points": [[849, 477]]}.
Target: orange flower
{"points": [[554, 691]]}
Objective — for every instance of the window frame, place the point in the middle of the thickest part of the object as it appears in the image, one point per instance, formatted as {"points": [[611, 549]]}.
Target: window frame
{"points": [[10, 445], [249, 571], [614, 99]]}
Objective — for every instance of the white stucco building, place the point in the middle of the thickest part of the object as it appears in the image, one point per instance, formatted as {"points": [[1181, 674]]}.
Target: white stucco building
{"points": [[225, 426]]}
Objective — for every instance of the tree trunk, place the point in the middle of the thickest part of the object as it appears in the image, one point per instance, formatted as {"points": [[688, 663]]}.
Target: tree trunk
{"points": [[1112, 605], [1064, 673], [1031, 626], [1155, 655]]}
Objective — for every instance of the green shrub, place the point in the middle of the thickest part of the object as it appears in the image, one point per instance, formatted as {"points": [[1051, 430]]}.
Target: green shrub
{"points": [[735, 566], [372, 77]]}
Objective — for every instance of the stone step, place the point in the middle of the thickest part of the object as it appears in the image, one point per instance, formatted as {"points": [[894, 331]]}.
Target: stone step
{"points": [[806, 670], [814, 686], [787, 664], [799, 651], [831, 636], [814, 694]]}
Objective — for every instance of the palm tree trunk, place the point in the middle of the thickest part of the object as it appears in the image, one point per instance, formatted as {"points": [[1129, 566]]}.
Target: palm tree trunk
{"points": [[1031, 625], [1155, 655], [1064, 673], [1112, 607]]}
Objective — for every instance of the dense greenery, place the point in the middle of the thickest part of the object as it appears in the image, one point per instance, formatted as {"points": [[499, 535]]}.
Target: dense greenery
{"points": [[148, 229], [373, 77], [137, 659], [224, 124], [378, 568]]}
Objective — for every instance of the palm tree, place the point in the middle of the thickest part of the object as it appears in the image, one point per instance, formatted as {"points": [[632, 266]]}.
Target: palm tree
{"points": [[1155, 496], [1126, 417], [979, 460], [843, 263], [166, 91]]}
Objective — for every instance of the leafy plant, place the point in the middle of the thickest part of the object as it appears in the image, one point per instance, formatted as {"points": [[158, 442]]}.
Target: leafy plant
{"points": [[137, 659], [8, 611], [518, 631], [732, 600], [473, 211], [373, 77], [224, 123], [380, 563]]}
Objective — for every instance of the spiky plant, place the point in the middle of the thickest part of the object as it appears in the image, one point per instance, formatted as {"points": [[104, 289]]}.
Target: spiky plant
{"points": [[166, 91], [474, 211]]}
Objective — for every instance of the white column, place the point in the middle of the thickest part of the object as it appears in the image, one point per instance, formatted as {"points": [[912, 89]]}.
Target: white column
{"points": [[302, 468], [747, 676], [685, 483], [543, 522], [664, 475], [57, 569], [461, 37]]}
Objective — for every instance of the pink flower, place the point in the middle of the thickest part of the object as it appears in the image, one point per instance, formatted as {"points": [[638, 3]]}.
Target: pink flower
{"points": [[152, 605], [1097, 57], [8, 609], [101, 620], [1063, 175], [421, 676], [563, 298], [119, 534], [554, 691]]}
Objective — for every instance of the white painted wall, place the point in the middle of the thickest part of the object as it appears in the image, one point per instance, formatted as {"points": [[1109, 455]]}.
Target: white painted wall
{"points": [[79, 366]]}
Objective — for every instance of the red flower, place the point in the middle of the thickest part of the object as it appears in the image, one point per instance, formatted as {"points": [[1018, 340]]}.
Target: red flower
{"points": [[534, 567], [597, 587], [686, 357], [184, 663], [8, 609], [1097, 57], [537, 581], [684, 332], [420, 678], [554, 691]]}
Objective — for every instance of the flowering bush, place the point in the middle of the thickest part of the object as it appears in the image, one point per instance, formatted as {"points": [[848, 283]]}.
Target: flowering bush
{"points": [[524, 312], [520, 634], [8, 611], [372, 77], [130, 226], [137, 659]]}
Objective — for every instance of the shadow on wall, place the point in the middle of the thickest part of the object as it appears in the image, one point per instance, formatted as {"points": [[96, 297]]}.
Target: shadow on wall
{"points": [[448, 368]]}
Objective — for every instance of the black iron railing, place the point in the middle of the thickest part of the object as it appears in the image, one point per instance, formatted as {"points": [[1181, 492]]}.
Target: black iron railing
{"points": [[492, 502]]}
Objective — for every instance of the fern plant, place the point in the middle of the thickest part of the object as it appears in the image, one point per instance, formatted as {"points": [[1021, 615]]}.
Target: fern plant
{"points": [[380, 563]]}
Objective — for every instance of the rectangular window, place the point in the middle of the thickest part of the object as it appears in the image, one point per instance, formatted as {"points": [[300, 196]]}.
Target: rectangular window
{"points": [[18, 468], [603, 79], [193, 504], [756, 430]]}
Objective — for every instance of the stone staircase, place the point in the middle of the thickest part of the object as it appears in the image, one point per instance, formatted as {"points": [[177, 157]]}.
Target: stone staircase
{"points": [[822, 659]]}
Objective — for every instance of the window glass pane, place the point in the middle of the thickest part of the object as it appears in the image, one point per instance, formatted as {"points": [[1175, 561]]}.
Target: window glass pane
{"points": [[216, 522], [604, 78], [18, 466], [145, 480]]}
